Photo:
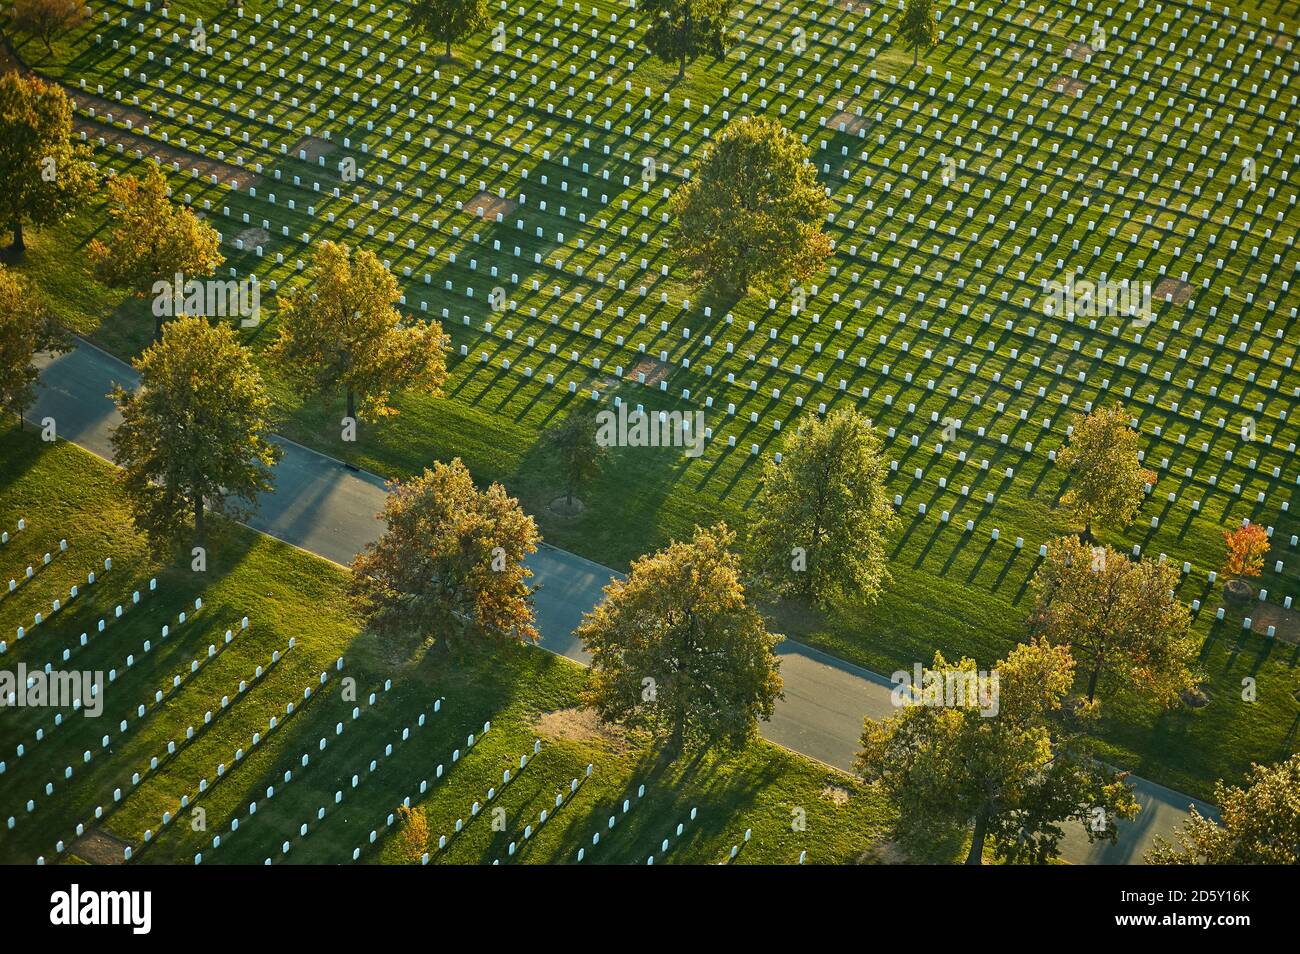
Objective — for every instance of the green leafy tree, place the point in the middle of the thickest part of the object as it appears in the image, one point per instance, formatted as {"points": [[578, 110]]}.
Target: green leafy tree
{"points": [[446, 21], [573, 442], [676, 649], [196, 430], [450, 561], [26, 330], [1120, 618], [1107, 480], [45, 177], [998, 760], [340, 329], [152, 239], [751, 215], [920, 28], [823, 517], [680, 31], [1258, 824]]}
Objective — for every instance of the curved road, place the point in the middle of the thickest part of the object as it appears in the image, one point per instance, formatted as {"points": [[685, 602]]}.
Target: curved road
{"points": [[330, 510]]}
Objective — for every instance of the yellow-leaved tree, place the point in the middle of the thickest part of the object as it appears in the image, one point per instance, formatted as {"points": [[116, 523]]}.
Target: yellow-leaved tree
{"points": [[1107, 480], [340, 329], [450, 562], [677, 650], [196, 431], [151, 240]]}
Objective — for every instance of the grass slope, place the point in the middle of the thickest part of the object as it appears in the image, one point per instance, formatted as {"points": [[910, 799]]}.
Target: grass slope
{"points": [[62, 492]]}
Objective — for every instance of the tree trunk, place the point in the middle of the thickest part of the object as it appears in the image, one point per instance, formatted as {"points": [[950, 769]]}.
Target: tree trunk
{"points": [[976, 855], [352, 405], [198, 518], [916, 53], [448, 48], [681, 68], [157, 327], [677, 739], [568, 500], [19, 245], [1092, 682]]}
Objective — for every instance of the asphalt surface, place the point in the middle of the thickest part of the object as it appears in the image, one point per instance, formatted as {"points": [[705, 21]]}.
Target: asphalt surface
{"points": [[330, 510]]}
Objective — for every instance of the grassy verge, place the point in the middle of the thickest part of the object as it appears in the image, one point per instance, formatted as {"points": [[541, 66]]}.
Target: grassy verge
{"points": [[526, 694]]}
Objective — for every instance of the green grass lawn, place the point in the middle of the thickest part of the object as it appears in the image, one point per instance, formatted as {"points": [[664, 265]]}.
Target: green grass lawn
{"points": [[64, 493], [929, 310]]}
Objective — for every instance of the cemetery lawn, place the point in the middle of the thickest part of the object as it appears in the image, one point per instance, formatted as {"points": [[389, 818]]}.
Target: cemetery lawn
{"points": [[929, 310], [527, 694]]}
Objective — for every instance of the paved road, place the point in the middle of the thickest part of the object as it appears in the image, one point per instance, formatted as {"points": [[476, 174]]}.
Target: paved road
{"points": [[322, 506]]}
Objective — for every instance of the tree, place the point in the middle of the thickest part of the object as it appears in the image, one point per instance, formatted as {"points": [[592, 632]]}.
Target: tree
{"points": [[340, 330], [46, 178], [195, 431], [1107, 478], [997, 757], [45, 19], [573, 441], [447, 20], [680, 31], [1120, 618], [1259, 824], [823, 517], [752, 213], [676, 649], [1247, 546], [153, 239], [26, 330], [450, 561], [412, 834], [919, 28]]}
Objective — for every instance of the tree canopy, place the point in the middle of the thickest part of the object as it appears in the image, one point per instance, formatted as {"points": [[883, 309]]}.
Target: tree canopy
{"points": [[152, 239], [450, 562], [677, 650], [196, 430], [1107, 480], [751, 216], [340, 329], [680, 31], [26, 329], [46, 177], [1120, 617], [1012, 776], [1257, 825], [446, 21], [822, 519]]}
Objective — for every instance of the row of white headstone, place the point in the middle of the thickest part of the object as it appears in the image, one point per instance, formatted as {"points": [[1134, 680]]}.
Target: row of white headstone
{"points": [[678, 832], [118, 612], [627, 806], [256, 740], [358, 779], [30, 574], [125, 727], [129, 852], [304, 762], [77, 703], [6, 536], [561, 799]]}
